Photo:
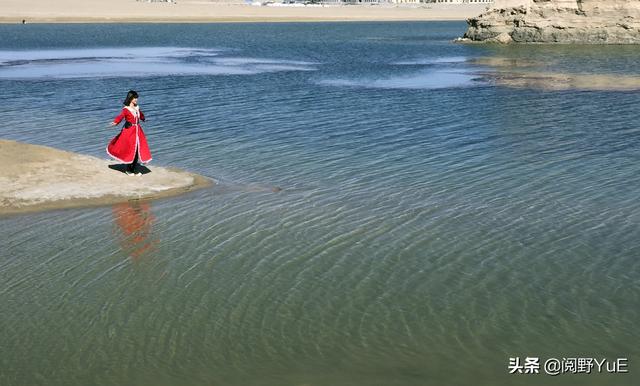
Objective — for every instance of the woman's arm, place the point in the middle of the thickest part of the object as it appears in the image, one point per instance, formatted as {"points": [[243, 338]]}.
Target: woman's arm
{"points": [[117, 119], [141, 115]]}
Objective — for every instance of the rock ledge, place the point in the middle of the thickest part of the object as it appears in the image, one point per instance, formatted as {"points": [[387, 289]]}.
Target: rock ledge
{"points": [[558, 21]]}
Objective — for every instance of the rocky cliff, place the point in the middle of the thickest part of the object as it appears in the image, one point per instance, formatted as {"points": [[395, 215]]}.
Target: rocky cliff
{"points": [[558, 21]]}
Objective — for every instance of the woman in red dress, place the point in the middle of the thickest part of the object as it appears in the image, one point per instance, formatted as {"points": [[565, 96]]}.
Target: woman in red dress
{"points": [[130, 146]]}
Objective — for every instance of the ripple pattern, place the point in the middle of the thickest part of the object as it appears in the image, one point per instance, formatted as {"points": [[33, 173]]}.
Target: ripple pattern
{"points": [[422, 236]]}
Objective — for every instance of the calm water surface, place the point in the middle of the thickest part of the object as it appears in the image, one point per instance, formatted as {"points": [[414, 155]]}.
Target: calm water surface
{"points": [[431, 225]]}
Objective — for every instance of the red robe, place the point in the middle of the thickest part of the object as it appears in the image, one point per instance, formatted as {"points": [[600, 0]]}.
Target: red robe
{"points": [[123, 146]]}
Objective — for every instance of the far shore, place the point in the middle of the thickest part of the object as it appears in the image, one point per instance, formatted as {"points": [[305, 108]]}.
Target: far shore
{"points": [[193, 11], [36, 178]]}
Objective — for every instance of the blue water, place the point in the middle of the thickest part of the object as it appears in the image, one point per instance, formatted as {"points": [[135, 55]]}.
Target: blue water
{"points": [[432, 222]]}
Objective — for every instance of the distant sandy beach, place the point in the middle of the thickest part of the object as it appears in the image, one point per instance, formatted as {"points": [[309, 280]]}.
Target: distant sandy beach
{"points": [[124, 11], [35, 178]]}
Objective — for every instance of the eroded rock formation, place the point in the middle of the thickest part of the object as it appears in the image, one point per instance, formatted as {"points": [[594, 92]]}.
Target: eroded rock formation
{"points": [[558, 21]]}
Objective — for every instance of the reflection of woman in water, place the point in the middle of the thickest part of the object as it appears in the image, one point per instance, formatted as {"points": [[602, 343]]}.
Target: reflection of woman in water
{"points": [[130, 146], [135, 221]]}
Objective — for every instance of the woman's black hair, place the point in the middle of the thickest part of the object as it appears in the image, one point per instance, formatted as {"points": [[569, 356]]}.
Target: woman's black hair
{"points": [[130, 95]]}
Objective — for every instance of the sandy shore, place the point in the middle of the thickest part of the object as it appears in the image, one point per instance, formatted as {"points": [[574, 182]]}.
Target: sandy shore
{"points": [[34, 178], [69, 11]]}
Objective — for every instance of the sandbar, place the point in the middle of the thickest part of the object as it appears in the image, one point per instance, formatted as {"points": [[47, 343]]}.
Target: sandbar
{"points": [[531, 74], [35, 178]]}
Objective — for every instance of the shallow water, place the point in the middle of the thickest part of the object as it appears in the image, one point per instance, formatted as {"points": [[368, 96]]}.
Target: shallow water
{"points": [[431, 223]]}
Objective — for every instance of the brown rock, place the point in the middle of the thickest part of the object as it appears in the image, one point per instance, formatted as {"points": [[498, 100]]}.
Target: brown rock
{"points": [[558, 21]]}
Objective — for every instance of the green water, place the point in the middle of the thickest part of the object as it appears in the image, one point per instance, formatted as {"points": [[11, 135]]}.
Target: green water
{"points": [[431, 225]]}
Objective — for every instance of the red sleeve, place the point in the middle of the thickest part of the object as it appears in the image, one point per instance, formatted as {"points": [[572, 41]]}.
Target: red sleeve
{"points": [[141, 115], [119, 118]]}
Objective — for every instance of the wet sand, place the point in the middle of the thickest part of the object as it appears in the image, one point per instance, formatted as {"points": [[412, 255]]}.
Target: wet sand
{"points": [[524, 73], [96, 11], [35, 178], [547, 81]]}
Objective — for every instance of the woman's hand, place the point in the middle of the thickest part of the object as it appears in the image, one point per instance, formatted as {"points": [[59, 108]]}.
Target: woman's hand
{"points": [[112, 124]]}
